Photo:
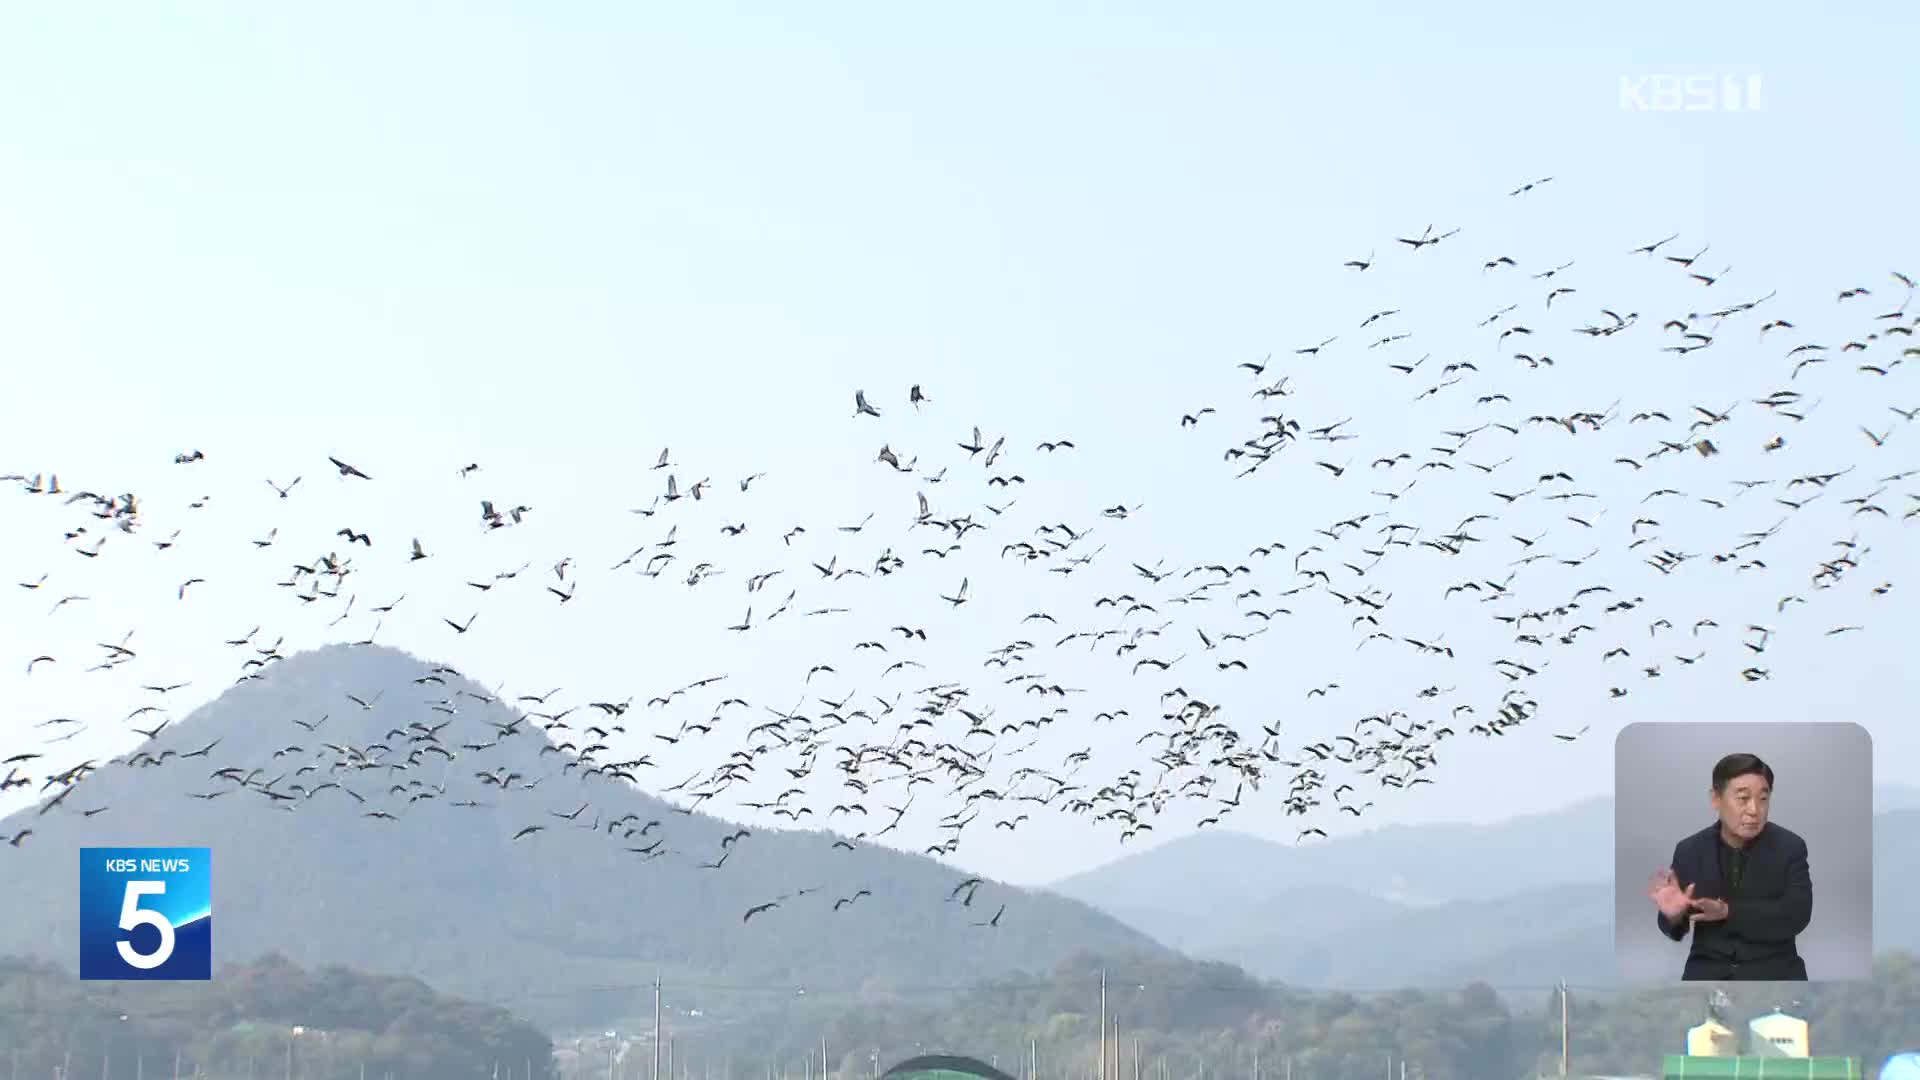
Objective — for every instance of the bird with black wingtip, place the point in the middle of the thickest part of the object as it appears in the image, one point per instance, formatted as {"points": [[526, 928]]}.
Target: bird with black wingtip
{"points": [[1741, 886]]}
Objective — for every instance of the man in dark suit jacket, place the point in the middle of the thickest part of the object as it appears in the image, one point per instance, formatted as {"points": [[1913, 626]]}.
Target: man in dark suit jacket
{"points": [[1741, 885]]}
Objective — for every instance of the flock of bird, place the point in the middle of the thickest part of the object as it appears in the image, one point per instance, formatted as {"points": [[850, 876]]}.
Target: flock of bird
{"points": [[1541, 534]]}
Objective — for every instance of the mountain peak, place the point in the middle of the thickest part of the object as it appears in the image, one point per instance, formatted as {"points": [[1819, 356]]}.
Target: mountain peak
{"points": [[363, 805]]}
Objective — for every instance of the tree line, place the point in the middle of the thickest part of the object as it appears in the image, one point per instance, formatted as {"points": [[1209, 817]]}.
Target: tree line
{"points": [[1171, 1019], [268, 1020], [1182, 1019]]}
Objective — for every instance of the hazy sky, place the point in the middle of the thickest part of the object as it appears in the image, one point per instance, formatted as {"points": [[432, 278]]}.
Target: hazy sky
{"points": [[552, 240]]}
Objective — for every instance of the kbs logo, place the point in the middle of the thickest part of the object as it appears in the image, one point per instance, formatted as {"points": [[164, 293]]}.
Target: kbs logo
{"points": [[146, 913], [1690, 93]]}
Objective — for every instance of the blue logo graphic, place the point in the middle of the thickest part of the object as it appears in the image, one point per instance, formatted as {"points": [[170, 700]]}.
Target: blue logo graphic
{"points": [[146, 913]]}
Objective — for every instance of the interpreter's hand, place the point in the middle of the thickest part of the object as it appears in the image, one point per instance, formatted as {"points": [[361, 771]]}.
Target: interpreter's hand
{"points": [[1668, 896], [1707, 909]]}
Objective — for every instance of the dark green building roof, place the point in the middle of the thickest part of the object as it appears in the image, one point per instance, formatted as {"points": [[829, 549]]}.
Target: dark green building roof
{"points": [[951, 1067]]}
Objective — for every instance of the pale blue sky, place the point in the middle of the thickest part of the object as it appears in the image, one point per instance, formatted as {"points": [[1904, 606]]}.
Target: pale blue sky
{"points": [[555, 238]]}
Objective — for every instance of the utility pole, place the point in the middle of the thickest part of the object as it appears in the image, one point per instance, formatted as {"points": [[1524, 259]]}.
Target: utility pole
{"points": [[656, 1026], [825, 1069], [1136, 1057], [1033, 1059], [1103, 1025], [1566, 1042]]}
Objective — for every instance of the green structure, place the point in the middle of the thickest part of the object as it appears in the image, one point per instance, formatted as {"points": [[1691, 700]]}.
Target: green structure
{"points": [[949, 1067], [1685, 1067]]}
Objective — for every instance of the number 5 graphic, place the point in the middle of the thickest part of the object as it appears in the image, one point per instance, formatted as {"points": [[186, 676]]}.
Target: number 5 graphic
{"points": [[133, 916]]}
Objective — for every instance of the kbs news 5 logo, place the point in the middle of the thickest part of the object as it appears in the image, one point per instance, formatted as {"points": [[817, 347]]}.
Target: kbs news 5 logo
{"points": [[146, 913]]}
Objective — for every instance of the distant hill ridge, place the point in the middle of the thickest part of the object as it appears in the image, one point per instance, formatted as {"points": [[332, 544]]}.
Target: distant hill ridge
{"points": [[1328, 916], [443, 893]]}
